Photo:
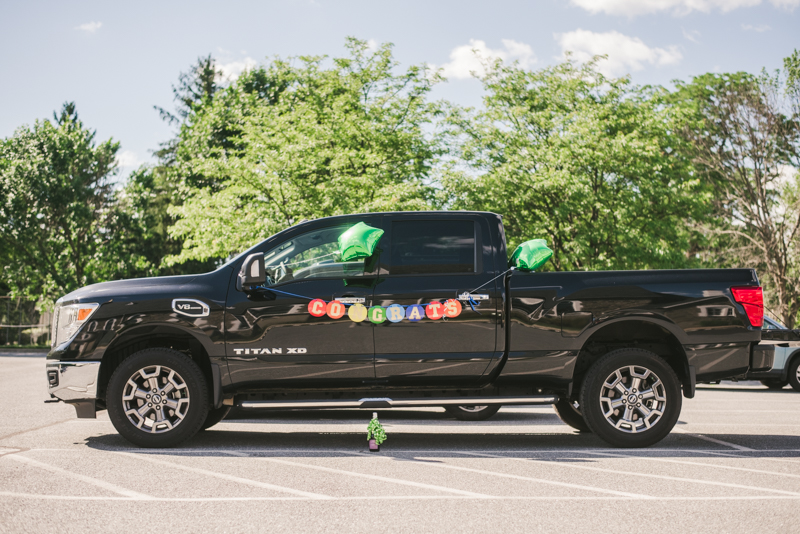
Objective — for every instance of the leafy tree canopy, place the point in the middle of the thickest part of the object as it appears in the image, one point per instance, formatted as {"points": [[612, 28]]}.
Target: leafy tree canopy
{"points": [[55, 192], [300, 139], [744, 141], [589, 163]]}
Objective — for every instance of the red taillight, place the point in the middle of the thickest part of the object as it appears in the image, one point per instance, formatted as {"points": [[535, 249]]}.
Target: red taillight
{"points": [[752, 299]]}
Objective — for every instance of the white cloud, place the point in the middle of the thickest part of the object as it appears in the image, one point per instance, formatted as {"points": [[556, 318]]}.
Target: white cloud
{"points": [[760, 28], [468, 59], [692, 35], [632, 8], [89, 27], [128, 159], [232, 69], [372, 45], [625, 54]]}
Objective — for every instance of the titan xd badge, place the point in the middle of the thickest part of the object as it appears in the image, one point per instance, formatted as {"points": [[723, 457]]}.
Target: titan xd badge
{"points": [[190, 307]]}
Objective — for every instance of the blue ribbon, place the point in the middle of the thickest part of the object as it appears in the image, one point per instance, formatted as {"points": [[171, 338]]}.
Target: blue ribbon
{"points": [[284, 292]]}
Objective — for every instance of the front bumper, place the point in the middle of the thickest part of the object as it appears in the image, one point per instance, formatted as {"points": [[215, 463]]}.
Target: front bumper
{"points": [[74, 383]]}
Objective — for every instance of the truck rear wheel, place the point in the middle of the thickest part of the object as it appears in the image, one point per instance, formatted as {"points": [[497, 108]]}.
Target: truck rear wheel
{"points": [[472, 413], [157, 398], [569, 413], [631, 398]]}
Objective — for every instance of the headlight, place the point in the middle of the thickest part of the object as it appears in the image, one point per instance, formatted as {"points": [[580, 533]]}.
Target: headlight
{"points": [[69, 319]]}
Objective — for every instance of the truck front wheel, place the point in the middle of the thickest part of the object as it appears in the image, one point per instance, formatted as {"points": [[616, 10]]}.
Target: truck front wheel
{"points": [[631, 398], [472, 413], [157, 398]]}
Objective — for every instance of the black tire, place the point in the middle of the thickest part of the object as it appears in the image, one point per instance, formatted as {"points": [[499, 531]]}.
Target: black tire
{"points": [[472, 413], [774, 383], [794, 373], [215, 415], [180, 385], [570, 415], [629, 365]]}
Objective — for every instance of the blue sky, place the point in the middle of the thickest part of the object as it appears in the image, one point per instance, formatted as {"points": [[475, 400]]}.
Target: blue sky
{"points": [[117, 60]]}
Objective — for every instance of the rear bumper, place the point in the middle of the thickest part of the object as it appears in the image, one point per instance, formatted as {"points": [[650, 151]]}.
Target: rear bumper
{"points": [[74, 383]]}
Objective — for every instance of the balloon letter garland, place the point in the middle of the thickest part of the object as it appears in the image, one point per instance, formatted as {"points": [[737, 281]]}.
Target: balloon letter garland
{"points": [[393, 313]]}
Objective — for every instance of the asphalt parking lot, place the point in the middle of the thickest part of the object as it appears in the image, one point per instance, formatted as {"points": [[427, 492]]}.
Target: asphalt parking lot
{"points": [[731, 465]]}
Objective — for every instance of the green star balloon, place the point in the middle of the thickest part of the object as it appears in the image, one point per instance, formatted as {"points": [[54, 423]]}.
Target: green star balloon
{"points": [[359, 242], [531, 255]]}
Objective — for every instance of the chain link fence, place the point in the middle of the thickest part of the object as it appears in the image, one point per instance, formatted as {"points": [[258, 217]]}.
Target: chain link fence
{"points": [[21, 324]]}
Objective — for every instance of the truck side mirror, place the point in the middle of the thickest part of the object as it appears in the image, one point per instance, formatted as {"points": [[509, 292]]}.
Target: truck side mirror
{"points": [[252, 273]]}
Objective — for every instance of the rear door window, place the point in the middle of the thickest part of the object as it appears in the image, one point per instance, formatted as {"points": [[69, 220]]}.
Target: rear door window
{"points": [[432, 247]]}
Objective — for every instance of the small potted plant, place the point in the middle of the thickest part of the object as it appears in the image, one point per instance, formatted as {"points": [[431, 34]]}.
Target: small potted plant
{"points": [[375, 434]]}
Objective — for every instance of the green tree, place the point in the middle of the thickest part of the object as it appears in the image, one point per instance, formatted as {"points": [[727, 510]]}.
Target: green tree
{"points": [[586, 162], [55, 195], [196, 88], [745, 144], [303, 139]]}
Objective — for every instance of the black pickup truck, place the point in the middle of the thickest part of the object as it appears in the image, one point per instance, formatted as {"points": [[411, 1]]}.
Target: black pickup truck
{"points": [[433, 318]]}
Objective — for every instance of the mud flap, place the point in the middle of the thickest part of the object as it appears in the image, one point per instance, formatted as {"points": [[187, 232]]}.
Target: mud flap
{"points": [[689, 382], [216, 379], [85, 409]]}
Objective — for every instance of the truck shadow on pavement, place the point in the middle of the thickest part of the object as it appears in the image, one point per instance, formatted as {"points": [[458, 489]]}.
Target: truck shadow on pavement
{"points": [[292, 432]]}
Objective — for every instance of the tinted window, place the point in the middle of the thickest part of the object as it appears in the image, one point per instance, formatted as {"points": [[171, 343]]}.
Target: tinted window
{"points": [[311, 255], [433, 247]]}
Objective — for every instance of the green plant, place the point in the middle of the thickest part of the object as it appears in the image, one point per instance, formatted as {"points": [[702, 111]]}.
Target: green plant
{"points": [[375, 431]]}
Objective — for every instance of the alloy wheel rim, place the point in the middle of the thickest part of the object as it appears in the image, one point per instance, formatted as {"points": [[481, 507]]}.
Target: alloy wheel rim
{"points": [[155, 399], [633, 399]]}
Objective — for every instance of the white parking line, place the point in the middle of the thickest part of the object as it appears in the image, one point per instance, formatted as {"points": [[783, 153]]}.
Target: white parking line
{"points": [[393, 498], [258, 484], [702, 464], [713, 440], [83, 478], [370, 477], [633, 473], [519, 477]]}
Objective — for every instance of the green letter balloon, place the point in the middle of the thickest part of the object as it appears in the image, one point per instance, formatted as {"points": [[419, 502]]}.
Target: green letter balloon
{"points": [[359, 242], [531, 255]]}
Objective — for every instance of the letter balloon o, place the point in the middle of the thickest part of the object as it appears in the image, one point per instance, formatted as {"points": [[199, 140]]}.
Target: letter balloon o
{"points": [[335, 309]]}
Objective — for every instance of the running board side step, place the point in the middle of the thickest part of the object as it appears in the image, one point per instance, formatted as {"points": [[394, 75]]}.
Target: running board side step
{"points": [[385, 402]]}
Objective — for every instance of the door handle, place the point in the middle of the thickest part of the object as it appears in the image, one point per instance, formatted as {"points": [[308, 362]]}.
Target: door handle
{"points": [[349, 298]]}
